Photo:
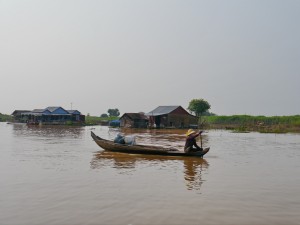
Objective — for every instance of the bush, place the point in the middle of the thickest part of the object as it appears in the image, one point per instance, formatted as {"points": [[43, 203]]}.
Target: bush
{"points": [[252, 120], [5, 118]]}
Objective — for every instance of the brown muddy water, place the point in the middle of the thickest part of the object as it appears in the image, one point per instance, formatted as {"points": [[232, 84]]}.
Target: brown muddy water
{"points": [[58, 175]]}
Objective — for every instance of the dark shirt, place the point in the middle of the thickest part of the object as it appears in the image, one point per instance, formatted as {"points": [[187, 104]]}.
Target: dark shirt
{"points": [[191, 141]]}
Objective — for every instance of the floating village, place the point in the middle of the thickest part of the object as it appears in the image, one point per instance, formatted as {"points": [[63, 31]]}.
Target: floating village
{"points": [[160, 117]]}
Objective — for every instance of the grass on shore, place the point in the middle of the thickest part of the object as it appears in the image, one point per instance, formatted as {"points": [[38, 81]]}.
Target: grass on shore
{"points": [[263, 124], [92, 120], [5, 118]]}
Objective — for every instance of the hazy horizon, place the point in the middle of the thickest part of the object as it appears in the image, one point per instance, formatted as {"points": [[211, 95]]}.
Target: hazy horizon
{"points": [[240, 56]]}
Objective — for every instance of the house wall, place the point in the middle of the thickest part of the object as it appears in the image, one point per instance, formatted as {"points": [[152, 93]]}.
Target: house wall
{"points": [[178, 118], [125, 121], [180, 121], [82, 118], [140, 123]]}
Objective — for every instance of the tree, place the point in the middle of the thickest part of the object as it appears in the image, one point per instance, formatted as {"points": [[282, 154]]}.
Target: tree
{"points": [[113, 112], [198, 107], [104, 115]]}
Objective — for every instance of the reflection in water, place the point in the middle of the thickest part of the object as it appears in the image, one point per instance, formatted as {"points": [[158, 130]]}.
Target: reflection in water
{"points": [[193, 167], [48, 131], [48, 146]]}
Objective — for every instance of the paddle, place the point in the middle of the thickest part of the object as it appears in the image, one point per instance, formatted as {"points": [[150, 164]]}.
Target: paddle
{"points": [[200, 132], [201, 140]]}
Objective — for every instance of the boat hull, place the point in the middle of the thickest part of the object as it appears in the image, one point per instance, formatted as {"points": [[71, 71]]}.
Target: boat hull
{"points": [[143, 149]]}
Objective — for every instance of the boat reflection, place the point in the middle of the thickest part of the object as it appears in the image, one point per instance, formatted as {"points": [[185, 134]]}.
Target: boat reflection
{"points": [[193, 168]]}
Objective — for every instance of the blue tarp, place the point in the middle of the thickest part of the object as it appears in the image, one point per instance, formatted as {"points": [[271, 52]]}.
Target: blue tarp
{"points": [[114, 123]]}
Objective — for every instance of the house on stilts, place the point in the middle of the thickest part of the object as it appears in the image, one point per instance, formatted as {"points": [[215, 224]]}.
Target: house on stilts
{"points": [[49, 115], [134, 120], [171, 117]]}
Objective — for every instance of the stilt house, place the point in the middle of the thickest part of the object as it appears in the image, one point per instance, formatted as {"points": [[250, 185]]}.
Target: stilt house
{"points": [[171, 117], [134, 120], [50, 115]]}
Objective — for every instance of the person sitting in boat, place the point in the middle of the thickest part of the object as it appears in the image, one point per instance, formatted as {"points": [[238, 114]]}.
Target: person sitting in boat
{"points": [[190, 143], [120, 139]]}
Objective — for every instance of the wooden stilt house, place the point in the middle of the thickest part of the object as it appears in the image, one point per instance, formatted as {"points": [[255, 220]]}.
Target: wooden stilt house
{"points": [[134, 120], [50, 115], [171, 117]]}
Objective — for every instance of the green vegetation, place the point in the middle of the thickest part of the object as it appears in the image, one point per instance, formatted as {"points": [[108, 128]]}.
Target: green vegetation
{"points": [[245, 123], [69, 123], [113, 112], [5, 118], [104, 115], [198, 106], [92, 120]]}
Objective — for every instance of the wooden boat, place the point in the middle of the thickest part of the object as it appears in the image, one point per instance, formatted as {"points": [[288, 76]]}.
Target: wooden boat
{"points": [[143, 149]]}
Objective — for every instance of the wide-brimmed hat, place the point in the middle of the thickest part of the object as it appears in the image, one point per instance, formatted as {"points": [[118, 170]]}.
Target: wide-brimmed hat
{"points": [[190, 131]]}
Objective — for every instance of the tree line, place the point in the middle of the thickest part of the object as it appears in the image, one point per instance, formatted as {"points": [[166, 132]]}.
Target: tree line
{"points": [[198, 107], [111, 113]]}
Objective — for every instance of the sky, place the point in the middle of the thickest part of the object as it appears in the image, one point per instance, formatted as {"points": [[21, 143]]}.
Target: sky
{"points": [[241, 56]]}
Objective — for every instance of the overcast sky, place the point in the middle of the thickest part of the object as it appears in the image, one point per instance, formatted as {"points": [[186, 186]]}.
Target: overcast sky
{"points": [[242, 56]]}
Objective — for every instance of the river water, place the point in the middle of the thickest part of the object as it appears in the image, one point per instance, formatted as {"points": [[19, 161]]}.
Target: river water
{"points": [[58, 175]]}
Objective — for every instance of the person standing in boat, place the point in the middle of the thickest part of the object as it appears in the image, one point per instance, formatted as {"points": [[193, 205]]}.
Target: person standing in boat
{"points": [[190, 142]]}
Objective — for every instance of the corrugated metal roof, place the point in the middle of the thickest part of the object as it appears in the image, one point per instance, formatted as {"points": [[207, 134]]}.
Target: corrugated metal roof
{"points": [[53, 108], [38, 110], [135, 116], [73, 111], [161, 110], [19, 112]]}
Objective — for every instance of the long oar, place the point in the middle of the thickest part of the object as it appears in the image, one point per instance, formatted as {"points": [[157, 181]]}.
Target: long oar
{"points": [[201, 140]]}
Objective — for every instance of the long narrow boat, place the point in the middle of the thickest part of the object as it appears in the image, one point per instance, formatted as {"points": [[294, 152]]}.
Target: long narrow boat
{"points": [[143, 149]]}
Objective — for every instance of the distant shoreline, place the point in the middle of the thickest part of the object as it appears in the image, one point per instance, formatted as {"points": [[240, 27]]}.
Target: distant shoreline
{"points": [[236, 123]]}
